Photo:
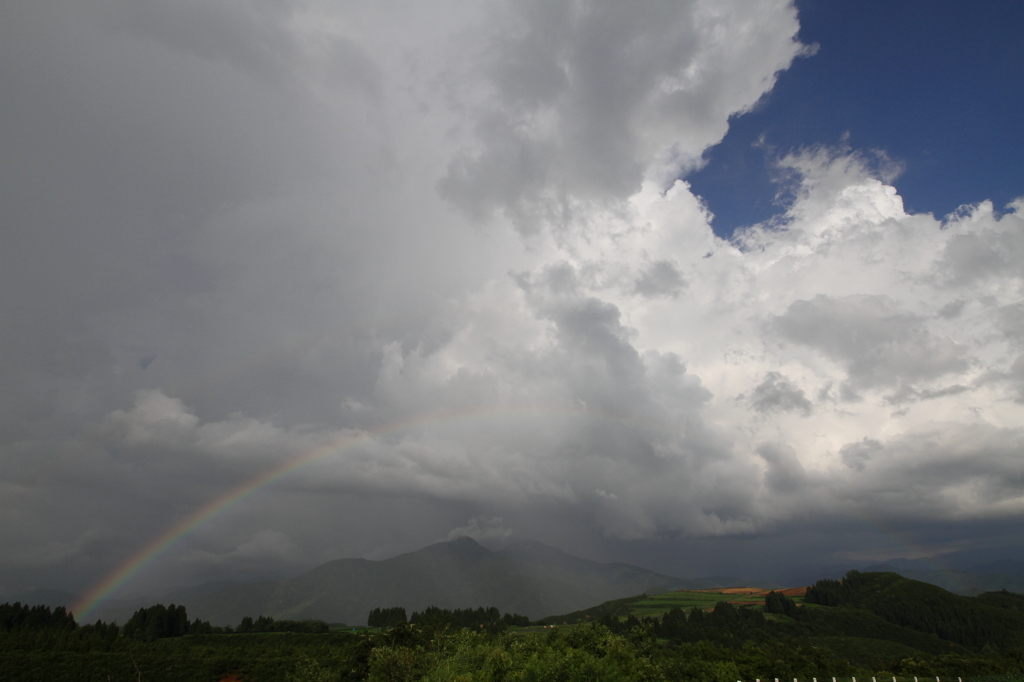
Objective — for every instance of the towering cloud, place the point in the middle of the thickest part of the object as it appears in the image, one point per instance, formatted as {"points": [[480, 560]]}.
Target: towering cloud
{"points": [[445, 249]]}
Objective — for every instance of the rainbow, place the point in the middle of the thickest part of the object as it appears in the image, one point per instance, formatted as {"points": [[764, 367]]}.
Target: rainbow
{"points": [[173, 534], [137, 562]]}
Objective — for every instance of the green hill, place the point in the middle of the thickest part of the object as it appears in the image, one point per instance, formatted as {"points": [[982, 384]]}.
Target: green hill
{"points": [[925, 608], [869, 619]]}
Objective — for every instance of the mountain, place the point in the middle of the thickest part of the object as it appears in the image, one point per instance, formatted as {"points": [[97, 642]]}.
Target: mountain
{"points": [[628, 579], [526, 578], [181, 594], [120, 609], [624, 579]]}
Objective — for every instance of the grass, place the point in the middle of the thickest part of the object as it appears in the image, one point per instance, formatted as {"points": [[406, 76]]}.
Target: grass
{"points": [[655, 605], [658, 604]]}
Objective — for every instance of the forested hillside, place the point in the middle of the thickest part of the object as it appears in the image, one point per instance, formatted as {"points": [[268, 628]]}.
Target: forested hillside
{"points": [[976, 622]]}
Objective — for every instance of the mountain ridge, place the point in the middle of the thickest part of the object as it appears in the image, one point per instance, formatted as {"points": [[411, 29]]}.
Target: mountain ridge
{"points": [[531, 579]]}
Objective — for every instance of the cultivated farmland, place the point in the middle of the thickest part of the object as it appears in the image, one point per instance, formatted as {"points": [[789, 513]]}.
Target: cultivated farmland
{"points": [[658, 604]]}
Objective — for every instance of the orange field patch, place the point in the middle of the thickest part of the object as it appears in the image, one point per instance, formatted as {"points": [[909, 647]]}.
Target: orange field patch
{"points": [[755, 591]]}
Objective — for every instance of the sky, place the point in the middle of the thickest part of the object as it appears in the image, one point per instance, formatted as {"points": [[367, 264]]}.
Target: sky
{"points": [[709, 287], [927, 88]]}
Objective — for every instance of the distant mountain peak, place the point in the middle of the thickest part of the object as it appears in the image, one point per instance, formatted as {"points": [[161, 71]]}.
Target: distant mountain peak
{"points": [[463, 540], [460, 573], [536, 550], [463, 545]]}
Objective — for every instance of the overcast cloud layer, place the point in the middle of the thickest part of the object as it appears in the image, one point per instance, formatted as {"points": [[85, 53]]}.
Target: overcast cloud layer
{"points": [[236, 232]]}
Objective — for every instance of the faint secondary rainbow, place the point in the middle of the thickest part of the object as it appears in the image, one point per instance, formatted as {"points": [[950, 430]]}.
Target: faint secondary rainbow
{"points": [[173, 534]]}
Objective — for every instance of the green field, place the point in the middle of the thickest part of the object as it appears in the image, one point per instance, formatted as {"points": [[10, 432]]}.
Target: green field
{"points": [[655, 605], [658, 604]]}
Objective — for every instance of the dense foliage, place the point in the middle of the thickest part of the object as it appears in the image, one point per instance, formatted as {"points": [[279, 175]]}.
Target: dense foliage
{"points": [[866, 625], [776, 602], [268, 624], [157, 622], [486, 620], [926, 608], [387, 617], [18, 617]]}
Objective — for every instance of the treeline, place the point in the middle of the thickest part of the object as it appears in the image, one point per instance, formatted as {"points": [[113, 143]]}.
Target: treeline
{"points": [[485, 619], [837, 592], [906, 615], [268, 624], [147, 624], [724, 624], [593, 651], [18, 617], [387, 617], [158, 622], [725, 644], [859, 636], [776, 602], [584, 652], [40, 623]]}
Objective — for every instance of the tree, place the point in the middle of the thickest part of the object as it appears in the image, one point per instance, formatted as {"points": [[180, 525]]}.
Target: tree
{"points": [[387, 617], [776, 602], [157, 622]]}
